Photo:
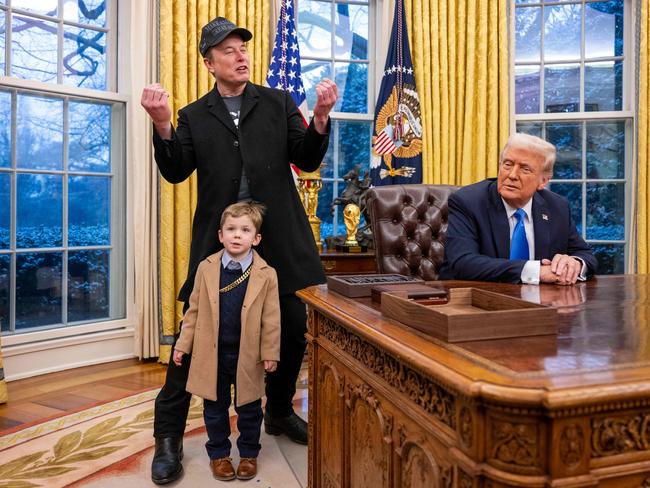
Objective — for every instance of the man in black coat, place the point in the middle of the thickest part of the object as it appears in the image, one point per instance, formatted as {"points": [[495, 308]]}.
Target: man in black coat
{"points": [[484, 222], [240, 138]]}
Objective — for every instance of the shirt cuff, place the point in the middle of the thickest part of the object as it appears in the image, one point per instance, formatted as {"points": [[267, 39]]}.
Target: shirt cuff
{"points": [[583, 271], [530, 273]]}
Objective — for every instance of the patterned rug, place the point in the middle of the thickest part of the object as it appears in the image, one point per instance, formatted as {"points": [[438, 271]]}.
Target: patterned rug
{"points": [[112, 445]]}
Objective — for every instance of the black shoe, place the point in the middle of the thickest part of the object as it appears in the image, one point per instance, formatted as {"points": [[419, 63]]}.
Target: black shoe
{"points": [[293, 426], [166, 465]]}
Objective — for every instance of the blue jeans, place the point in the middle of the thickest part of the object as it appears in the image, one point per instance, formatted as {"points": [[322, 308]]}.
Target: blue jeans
{"points": [[217, 420]]}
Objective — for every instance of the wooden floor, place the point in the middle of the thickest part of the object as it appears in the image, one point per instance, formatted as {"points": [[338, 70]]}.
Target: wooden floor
{"points": [[41, 397]]}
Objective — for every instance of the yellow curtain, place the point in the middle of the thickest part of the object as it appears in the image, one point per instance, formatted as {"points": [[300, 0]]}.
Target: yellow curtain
{"points": [[184, 76], [643, 190], [460, 57]]}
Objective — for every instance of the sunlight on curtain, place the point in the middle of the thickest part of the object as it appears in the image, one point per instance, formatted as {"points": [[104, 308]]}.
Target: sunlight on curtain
{"points": [[460, 57], [184, 76], [643, 192]]}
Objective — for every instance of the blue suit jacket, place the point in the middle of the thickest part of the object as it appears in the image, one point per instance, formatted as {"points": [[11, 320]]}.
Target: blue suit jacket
{"points": [[478, 235]]}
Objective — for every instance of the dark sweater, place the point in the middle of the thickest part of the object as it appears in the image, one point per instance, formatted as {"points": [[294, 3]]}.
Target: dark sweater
{"points": [[230, 306]]}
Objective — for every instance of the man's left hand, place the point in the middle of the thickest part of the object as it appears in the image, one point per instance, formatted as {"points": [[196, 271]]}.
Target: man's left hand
{"points": [[565, 268], [326, 93]]}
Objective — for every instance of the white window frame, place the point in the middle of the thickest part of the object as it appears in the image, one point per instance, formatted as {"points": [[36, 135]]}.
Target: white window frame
{"points": [[627, 114], [46, 349], [375, 70]]}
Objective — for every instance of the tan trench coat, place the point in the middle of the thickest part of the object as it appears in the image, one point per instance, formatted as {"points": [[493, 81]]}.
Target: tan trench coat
{"points": [[260, 330]]}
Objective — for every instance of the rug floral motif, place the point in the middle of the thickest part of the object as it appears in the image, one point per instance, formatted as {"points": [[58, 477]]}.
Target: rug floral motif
{"points": [[69, 448]]}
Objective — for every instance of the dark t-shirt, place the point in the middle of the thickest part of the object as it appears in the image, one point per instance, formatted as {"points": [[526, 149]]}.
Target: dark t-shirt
{"points": [[233, 104]]}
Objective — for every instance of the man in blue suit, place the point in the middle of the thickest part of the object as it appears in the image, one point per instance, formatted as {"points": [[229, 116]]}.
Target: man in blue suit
{"points": [[511, 228]]}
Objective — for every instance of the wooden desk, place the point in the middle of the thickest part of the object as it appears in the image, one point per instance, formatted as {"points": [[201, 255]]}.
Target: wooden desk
{"points": [[348, 262], [391, 407]]}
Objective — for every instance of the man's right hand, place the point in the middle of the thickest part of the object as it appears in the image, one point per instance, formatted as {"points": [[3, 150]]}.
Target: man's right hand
{"points": [[155, 101]]}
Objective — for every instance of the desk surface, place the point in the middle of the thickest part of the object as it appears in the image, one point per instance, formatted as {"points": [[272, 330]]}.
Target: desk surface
{"points": [[602, 349]]}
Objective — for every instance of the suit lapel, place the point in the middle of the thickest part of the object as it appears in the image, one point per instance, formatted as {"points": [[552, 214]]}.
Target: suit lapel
{"points": [[541, 224], [251, 96], [499, 223], [217, 108], [212, 276]]}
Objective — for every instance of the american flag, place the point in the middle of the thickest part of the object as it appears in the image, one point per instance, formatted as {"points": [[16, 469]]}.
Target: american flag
{"points": [[284, 68]]}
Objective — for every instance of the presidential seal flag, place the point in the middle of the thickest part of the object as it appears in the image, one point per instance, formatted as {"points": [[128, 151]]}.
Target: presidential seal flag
{"points": [[397, 140]]}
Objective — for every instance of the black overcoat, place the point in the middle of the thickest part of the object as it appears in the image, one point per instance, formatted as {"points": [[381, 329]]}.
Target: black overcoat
{"points": [[271, 134]]}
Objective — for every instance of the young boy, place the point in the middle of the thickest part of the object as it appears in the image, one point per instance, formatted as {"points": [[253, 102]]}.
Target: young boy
{"points": [[232, 329]]}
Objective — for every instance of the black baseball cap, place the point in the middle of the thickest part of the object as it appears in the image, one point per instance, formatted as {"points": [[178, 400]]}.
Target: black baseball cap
{"points": [[217, 30]]}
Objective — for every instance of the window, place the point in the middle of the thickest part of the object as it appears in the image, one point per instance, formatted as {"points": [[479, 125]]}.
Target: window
{"points": [[572, 70], [334, 44], [62, 199]]}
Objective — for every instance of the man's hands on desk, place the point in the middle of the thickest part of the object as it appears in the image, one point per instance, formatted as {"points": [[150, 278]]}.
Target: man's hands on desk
{"points": [[561, 270]]}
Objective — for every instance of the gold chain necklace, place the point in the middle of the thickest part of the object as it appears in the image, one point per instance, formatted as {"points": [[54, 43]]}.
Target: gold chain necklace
{"points": [[237, 282]]}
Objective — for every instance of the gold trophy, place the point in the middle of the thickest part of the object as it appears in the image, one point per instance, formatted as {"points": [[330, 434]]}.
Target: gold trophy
{"points": [[309, 184], [351, 218]]}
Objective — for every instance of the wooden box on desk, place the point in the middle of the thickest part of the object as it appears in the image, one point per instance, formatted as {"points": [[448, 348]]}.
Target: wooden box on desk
{"points": [[472, 314]]}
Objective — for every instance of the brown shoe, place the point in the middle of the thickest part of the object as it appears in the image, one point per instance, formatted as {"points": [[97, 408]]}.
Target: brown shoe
{"points": [[222, 469], [247, 468]]}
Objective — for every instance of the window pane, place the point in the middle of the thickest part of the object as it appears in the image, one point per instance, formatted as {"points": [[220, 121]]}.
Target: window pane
{"points": [[38, 289], [3, 42], [327, 166], [5, 213], [562, 88], [352, 82], [88, 285], [84, 58], [39, 211], [351, 32], [532, 128], [85, 11], [312, 73], [354, 146], [606, 149], [567, 137], [89, 211], [314, 21], [39, 133], [603, 86], [90, 137], [527, 34], [325, 197], [43, 7], [573, 193], [604, 29], [606, 211], [33, 49], [527, 89], [611, 258], [5, 262], [562, 32], [5, 129]]}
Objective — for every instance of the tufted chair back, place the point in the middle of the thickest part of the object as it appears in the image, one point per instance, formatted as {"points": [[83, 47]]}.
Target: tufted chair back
{"points": [[409, 223]]}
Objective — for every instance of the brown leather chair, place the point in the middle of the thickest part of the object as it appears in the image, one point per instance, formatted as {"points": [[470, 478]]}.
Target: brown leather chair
{"points": [[409, 223]]}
